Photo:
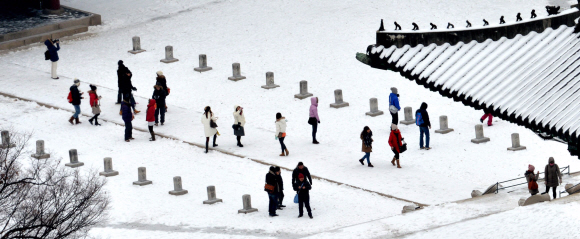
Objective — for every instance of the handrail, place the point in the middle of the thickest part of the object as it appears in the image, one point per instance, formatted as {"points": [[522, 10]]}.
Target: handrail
{"points": [[497, 188], [566, 191]]}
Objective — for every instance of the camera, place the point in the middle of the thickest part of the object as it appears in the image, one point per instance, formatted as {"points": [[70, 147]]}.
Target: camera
{"points": [[55, 40]]}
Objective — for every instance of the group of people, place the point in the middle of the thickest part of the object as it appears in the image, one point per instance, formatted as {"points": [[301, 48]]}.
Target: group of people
{"points": [[552, 179], [301, 183]]}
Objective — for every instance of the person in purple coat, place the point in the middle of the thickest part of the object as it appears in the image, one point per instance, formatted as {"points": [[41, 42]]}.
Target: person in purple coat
{"points": [[127, 116], [314, 120]]}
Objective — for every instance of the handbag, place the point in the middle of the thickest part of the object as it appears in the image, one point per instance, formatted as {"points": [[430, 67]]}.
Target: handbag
{"points": [[393, 109], [312, 121], [296, 196], [269, 187], [212, 124], [235, 127], [281, 135], [402, 148], [96, 108]]}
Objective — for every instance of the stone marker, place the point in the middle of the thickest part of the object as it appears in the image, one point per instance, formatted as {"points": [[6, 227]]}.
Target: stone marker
{"points": [[177, 189], [40, 154], [109, 172], [136, 45], [169, 55], [211, 199], [74, 159], [516, 143], [408, 116], [303, 91], [6, 140], [475, 193], [202, 64], [571, 188], [410, 208], [338, 102], [536, 199], [247, 205], [270, 81], [237, 74], [491, 189], [142, 181], [443, 127], [374, 108], [479, 138]]}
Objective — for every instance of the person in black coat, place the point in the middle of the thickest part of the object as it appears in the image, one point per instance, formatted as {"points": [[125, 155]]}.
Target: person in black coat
{"points": [[122, 74], [302, 188], [280, 195], [76, 101], [301, 169], [422, 118], [159, 95], [162, 81], [271, 189], [125, 86], [53, 52]]}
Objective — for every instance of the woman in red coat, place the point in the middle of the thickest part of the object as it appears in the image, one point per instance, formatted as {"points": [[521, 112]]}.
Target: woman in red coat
{"points": [[95, 106], [150, 118], [395, 141]]}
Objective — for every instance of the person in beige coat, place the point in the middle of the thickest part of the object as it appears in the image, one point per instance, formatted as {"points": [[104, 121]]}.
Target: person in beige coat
{"points": [[281, 132], [239, 122], [206, 119]]}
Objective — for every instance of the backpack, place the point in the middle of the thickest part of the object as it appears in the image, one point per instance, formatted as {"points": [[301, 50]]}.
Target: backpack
{"points": [[46, 55], [69, 97], [419, 119], [532, 185]]}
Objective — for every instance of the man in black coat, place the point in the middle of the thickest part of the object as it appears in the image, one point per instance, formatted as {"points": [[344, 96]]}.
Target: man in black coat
{"points": [[125, 86], [301, 169], [271, 189], [280, 195], [76, 96], [302, 187], [422, 118], [159, 95]]}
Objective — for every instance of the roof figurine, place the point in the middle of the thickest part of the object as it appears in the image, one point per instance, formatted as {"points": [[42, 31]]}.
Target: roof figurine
{"points": [[397, 26], [501, 21], [534, 13], [552, 10], [433, 26], [468, 24], [485, 23], [415, 27], [382, 27], [449, 25], [519, 17]]}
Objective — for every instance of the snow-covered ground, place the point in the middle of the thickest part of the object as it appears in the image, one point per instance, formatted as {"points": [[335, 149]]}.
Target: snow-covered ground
{"points": [[297, 40]]}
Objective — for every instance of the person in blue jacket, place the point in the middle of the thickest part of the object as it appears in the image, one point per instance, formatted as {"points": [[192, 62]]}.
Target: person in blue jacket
{"points": [[53, 51], [394, 105], [422, 120]]}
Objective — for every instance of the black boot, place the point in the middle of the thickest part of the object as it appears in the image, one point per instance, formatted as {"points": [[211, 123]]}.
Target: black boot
{"points": [[362, 161], [91, 120], [214, 138]]}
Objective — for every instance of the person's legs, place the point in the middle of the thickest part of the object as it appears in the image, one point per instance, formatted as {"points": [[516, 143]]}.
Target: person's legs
{"points": [[554, 191], [157, 115], [214, 138], [280, 198], [238, 138], [162, 112], [422, 132], [490, 117], [314, 129], [132, 101], [272, 204], [395, 118], [206, 144], [368, 157], [300, 206], [282, 144], [127, 129], [151, 132], [307, 204], [77, 111], [130, 128], [547, 189], [96, 117], [119, 96], [53, 70], [427, 136]]}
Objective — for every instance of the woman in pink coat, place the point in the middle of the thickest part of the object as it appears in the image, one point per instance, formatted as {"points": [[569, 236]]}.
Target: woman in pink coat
{"points": [[314, 120]]}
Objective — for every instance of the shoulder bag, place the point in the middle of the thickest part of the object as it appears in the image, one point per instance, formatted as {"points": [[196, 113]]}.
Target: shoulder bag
{"points": [[403, 147], [296, 196]]}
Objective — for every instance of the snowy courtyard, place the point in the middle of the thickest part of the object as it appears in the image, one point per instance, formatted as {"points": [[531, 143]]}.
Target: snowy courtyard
{"points": [[314, 41]]}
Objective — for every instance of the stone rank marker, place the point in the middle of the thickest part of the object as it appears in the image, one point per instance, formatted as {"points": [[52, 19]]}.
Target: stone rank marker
{"points": [[211, 196], [408, 116], [516, 143], [169, 55], [246, 198], [177, 188], [202, 64], [74, 159], [338, 101], [303, 91], [136, 46], [270, 81], [109, 172], [237, 75], [374, 108], [142, 180], [40, 154], [6, 140], [443, 127], [479, 138]]}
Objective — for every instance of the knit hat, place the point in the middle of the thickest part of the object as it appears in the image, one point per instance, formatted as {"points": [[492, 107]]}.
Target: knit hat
{"points": [[394, 127], [394, 90], [160, 73], [272, 168], [276, 169], [120, 62], [93, 88], [300, 164], [531, 168], [77, 81], [300, 175]]}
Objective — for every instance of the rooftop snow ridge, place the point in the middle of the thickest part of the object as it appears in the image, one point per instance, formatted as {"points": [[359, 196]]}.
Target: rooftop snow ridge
{"points": [[453, 36]]}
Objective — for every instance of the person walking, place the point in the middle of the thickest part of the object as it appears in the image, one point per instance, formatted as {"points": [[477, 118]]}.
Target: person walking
{"points": [[126, 86], [209, 126], [127, 116], [159, 95], [301, 169], [302, 188], [162, 81], [239, 122], [150, 118], [394, 107], [280, 196], [76, 97], [553, 176], [314, 120], [532, 180], [270, 188], [123, 74], [367, 141], [486, 114], [53, 52], [281, 132], [395, 141], [95, 105], [422, 120]]}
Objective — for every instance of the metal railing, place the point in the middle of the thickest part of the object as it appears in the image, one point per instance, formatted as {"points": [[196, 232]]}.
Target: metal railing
{"points": [[497, 188]]}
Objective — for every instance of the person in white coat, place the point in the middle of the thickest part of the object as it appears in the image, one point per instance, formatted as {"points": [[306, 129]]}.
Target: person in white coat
{"points": [[210, 129], [281, 132], [239, 122]]}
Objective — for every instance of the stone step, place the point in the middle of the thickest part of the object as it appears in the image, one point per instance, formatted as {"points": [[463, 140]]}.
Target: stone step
{"points": [[43, 36]]}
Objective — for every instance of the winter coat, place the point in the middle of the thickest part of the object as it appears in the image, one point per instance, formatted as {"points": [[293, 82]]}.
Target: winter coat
{"points": [[302, 193], [52, 50], [94, 99], [150, 117], [314, 108], [126, 112], [162, 82], [280, 126], [394, 100], [76, 95], [531, 176], [395, 140], [272, 179], [280, 182], [124, 82], [159, 97], [552, 174], [424, 115], [367, 142], [209, 131], [304, 171], [239, 118]]}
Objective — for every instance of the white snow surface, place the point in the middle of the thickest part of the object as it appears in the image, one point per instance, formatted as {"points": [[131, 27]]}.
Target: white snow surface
{"points": [[297, 40]]}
